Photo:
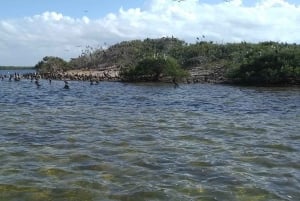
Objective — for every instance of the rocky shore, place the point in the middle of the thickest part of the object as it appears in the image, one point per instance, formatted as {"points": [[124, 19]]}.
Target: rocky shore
{"points": [[198, 74], [205, 74], [107, 74]]}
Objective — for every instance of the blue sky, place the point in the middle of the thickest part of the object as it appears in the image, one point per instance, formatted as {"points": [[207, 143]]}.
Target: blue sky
{"points": [[78, 8], [32, 29], [74, 8]]}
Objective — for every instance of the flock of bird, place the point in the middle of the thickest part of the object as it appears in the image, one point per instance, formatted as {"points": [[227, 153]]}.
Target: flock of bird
{"points": [[34, 77]]}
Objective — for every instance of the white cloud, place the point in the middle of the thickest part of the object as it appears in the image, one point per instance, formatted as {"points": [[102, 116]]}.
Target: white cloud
{"points": [[25, 41]]}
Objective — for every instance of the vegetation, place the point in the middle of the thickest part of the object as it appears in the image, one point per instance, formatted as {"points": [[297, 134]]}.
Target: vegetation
{"points": [[152, 69], [155, 59], [51, 65], [267, 63]]}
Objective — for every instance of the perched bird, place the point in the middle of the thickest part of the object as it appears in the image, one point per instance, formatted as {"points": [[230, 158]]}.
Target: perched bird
{"points": [[66, 85]]}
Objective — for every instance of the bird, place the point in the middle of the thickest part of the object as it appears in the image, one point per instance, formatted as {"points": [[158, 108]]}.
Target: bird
{"points": [[66, 85], [37, 83]]}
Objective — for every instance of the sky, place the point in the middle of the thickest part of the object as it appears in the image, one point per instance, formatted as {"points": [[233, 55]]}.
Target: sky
{"points": [[32, 29]]}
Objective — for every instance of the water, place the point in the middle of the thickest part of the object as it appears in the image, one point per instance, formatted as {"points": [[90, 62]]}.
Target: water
{"points": [[116, 141]]}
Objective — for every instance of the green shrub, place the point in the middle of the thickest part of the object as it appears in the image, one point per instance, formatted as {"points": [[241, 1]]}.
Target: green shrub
{"points": [[268, 63], [154, 68]]}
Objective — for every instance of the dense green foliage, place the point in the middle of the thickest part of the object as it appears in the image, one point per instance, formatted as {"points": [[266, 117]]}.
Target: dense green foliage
{"points": [[51, 65], [261, 63], [152, 68], [267, 63]]}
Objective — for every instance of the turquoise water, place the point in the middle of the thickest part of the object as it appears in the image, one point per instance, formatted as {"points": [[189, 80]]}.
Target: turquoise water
{"points": [[116, 141]]}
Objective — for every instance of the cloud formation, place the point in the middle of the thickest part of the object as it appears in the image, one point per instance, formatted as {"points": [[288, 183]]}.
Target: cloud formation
{"points": [[26, 41]]}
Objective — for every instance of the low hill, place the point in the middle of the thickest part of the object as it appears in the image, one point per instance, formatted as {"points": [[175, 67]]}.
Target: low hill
{"points": [[238, 63]]}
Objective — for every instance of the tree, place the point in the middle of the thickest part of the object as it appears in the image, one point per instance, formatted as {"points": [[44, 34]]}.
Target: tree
{"points": [[51, 64]]}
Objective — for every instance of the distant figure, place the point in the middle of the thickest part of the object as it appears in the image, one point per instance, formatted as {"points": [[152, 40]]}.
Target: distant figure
{"points": [[17, 77], [37, 83], [66, 85], [175, 83], [50, 81], [91, 82]]}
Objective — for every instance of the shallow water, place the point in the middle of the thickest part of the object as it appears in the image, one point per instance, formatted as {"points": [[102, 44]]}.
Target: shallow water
{"points": [[116, 141]]}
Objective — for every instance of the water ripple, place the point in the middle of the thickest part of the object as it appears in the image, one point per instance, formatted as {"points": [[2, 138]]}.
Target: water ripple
{"points": [[117, 141]]}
